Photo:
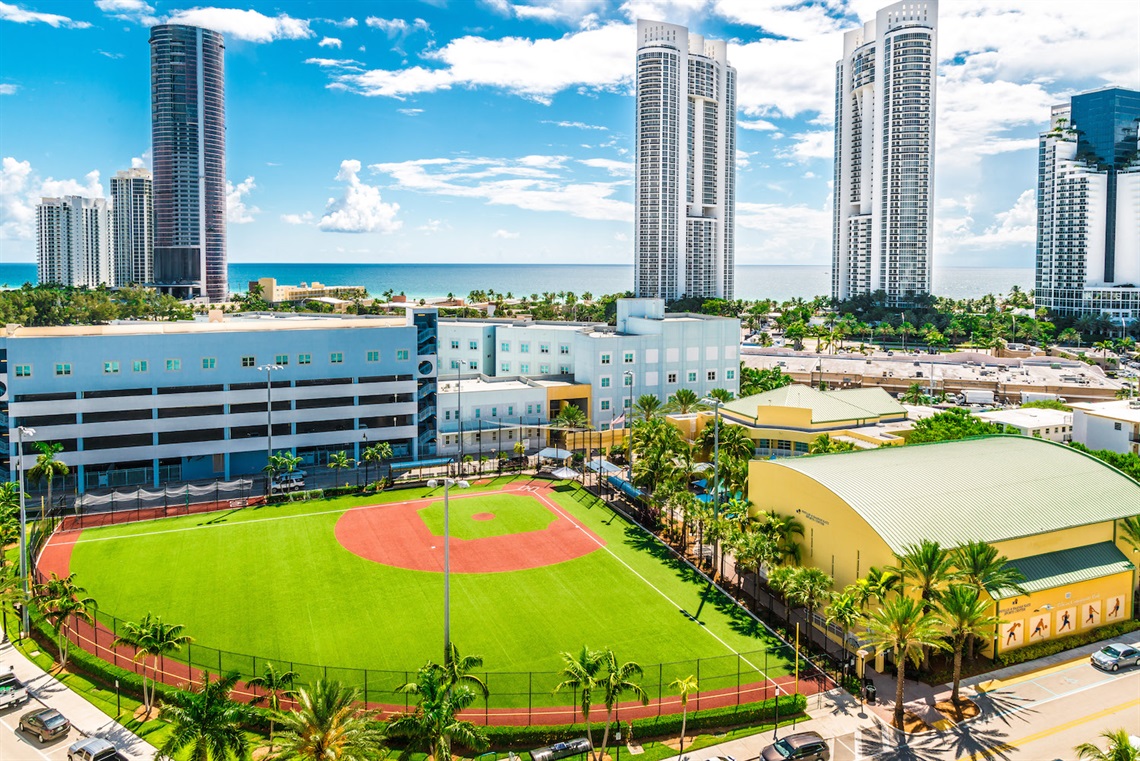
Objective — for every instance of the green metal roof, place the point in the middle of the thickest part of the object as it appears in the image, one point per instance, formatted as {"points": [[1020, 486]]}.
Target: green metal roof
{"points": [[989, 488], [1055, 569], [825, 406]]}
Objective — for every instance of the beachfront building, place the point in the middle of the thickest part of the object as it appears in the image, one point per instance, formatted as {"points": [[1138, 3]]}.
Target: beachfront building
{"points": [[147, 403], [1111, 425], [685, 165], [275, 293], [1088, 207], [1041, 423], [648, 351], [73, 241], [1050, 509], [884, 155], [132, 209]]}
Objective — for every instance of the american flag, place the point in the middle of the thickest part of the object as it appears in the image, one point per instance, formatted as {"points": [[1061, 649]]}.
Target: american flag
{"points": [[619, 421]]}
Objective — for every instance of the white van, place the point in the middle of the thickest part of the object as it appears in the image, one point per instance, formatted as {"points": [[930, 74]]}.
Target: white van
{"points": [[285, 482]]}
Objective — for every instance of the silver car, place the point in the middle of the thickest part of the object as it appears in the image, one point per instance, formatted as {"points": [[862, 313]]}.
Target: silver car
{"points": [[1116, 656]]}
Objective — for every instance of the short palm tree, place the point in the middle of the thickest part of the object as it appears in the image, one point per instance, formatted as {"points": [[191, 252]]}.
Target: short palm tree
{"points": [[277, 684], [684, 401], [580, 673], [435, 723], [810, 587], [905, 629], [646, 407], [152, 638], [615, 682], [62, 599], [753, 550], [1130, 531], [377, 453], [684, 687], [1119, 748], [327, 725], [9, 517], [721, 394], [844, 611], [927, 568], [11, 595], [458, 670], [47, 467], [966, 615], [784, 529], [876, 586], [339, 461], [207, 722], [979, 565]]}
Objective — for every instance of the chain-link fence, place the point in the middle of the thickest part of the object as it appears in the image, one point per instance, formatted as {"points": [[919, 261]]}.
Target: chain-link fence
{"points": [[121, 506]]}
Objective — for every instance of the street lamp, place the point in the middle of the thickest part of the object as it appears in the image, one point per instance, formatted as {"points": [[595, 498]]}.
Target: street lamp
{"points": [[459, 365], [447, 484], [21, 432], [268, 370], [629, 421]]}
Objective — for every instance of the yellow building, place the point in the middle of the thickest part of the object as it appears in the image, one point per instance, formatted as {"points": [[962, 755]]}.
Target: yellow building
{"points": [[1049, 508]]}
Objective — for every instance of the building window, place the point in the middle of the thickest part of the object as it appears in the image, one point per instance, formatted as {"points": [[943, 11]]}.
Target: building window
{"points": [[729, 374], [373, 356], [455, 344], [110, 368], [447, 415], [510, 410], [628, 358], [402, 354], [478, 412], [281, 359], [23, 371], [712, 375], [538, 408], [530, 409], [139, 366], [544, 369], [606, 358], [494, 412], [564, 369], [248, 361], [524, 347], [304, 359], [544, 348], [209, 363], [605, 426], [505, 346], [504, 367], [472, 365], [473, 345], [1116, 426], [336, 358], [605, 382], [605, 404], [692, 377], [564, 349], [173, 365], [455, 364], [628, 380], [63, 368], [625, 404], [671, 378]]}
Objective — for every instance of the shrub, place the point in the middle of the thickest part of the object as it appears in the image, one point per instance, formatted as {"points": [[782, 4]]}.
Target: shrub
{"points": [[1054, 646]]}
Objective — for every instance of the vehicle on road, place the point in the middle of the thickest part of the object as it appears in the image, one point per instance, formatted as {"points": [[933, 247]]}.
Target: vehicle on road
{"points": [[287, 482], [45, 723], [12, 690], [94, 749], [804, 746], [1116, 656]]}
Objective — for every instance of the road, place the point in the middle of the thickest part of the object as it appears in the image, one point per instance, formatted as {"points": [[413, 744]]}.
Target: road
{"points": [[1039, 719]]}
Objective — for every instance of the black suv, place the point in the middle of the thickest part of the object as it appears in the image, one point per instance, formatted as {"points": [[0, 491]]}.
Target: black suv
{"points": [[805, 746]]}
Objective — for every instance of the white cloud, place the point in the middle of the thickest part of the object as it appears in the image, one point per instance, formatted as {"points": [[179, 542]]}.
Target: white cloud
{"points": [[396, 26], [579, 12], [674, 11], [576, 125], [532, 182], [129, 10], [433, 226], [21, 189], [742, 159], [10, 12], [617, 168], [360, 209], [792, 234], [810, 145], [350, 64], [249, 25], [505, 234], [137, 162], [756, 125], [237, 212], [298, 219], [329, 42], [410, 111], [1014, 228], [596, 59], [7, 89], [621, 237]]}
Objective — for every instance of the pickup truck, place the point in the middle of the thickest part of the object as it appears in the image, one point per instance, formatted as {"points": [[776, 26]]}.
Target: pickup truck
{"points": [[12, 691]]}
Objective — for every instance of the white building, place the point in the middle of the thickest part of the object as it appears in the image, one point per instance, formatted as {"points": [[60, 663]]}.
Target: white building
{"points": [[1041, 423], [1088, 207], [685, 177], [495, 413], [132, 207], [884, 155], [647, 352], [73, 241], [1108, 425]]}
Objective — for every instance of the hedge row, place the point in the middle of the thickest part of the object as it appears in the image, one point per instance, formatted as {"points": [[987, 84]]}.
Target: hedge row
{"points": [[517, 738], [1054, 646]]}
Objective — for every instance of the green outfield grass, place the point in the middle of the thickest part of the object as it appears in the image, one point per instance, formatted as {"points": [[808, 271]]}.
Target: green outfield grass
{"points": [[273, 582]]}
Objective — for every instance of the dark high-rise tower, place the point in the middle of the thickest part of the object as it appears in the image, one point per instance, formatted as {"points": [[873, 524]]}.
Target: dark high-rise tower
{"points": [[188, 125]]}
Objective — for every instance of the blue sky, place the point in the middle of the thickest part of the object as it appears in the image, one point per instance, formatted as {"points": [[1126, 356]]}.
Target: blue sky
{"points": [[501, 131]]}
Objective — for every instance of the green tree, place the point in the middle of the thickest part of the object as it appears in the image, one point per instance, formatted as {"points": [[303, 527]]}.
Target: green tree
{"points": [[950, 425], [844, 612], [435, 723], [618, 680], [722, 395], [927, 568], [966, 615], [11, 595], [47, 467], [903, 628], [61, 600], [1119, 748], [339, 461], [754, 381], [876, 586], [824, 444], [581, 673], [784, 529], [206, 722], [9, 517], [753, 550], [152, 638], [328, 726], [684, 401], [377, 453], [684, 686], [914, 394], [810, 587], [1130, 531], [979, 566], [277, 684]]}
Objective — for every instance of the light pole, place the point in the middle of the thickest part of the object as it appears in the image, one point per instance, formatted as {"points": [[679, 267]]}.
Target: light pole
{"points": [[447, 484], [629, 421], [268, 370], [21, 432], [459, 365]]}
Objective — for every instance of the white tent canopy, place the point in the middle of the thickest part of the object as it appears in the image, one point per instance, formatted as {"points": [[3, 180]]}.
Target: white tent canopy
{"points": [[565, 473], [605, 466], [553, 453]]}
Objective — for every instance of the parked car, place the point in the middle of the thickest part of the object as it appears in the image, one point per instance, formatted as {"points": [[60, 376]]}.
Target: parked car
{"points": [[12, 690], [288, 482], [804, 746], [94, 749], [45, 723], [1117, 656]]}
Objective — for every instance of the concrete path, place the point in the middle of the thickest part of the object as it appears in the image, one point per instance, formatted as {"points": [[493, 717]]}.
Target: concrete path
{"points": [[86, 719]]}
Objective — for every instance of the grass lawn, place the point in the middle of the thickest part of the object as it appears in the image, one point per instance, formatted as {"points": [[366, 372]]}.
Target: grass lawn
{"points": [[274, 582]]}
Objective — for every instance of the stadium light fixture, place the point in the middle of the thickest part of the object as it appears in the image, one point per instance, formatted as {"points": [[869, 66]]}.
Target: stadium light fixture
{"points": [[447, 483]]}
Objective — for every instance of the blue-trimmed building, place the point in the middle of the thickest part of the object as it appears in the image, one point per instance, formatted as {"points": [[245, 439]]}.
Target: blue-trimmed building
{"points": [[145, 403]]}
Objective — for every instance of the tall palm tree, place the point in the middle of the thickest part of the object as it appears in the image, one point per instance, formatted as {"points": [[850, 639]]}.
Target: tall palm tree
{"points": [[62, 599], [684, 401], [11, 595], [979, 566], [9, 517], [615, 682], [435, 723], [338, 462], [876, 586], [810, 587], [570, 418], [721, 394], [904, 628], [328, 726], [277, 684], [753, 549], [927, 568], [1119, 748], [207, 722], [684, 686], [646, 407], [47, 467], [152, 638], [580, 673], [458, 670], [377, 453], [965, 615], [784, 529], [844, 611], [1130, 531]]}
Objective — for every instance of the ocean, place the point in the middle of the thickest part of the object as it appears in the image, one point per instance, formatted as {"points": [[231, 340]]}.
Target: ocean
{"points": [[777, 282]]}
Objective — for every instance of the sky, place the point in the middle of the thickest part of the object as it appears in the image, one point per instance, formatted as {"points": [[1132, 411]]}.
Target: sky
{"points": [[487, 131]]}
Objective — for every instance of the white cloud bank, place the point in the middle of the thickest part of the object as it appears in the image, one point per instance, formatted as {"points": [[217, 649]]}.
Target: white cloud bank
{"points": [[21, 188], [360, 209], [21, 15], [237, 212]]}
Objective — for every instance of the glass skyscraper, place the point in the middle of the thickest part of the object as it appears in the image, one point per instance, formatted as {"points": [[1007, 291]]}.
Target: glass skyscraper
{"points": [[188, 123]]}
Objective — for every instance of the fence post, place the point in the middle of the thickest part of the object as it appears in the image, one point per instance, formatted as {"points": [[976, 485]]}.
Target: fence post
{"points": [[529, 697], [660, 670], [738, 678], [698, 683], [219, 663], [486, 698], [365, 688]]}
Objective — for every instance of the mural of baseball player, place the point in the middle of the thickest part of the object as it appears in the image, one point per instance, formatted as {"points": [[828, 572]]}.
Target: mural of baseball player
{"points": [[1091, 614], [1011, 633], [1040, 628], [1115, 608], [1065, 621]]}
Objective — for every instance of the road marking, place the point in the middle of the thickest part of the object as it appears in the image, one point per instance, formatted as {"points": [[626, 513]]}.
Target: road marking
{"points": [[1002, 747], [21, 739], [996, 684]]}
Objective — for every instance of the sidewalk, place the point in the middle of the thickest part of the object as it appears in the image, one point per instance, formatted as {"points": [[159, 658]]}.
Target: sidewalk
{"points": [[84, 717]]}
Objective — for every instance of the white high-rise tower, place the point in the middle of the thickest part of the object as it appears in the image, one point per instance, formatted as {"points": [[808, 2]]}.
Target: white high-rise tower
{"points": [[884, 155], [73, 241], [132, 196], [685, 180]]}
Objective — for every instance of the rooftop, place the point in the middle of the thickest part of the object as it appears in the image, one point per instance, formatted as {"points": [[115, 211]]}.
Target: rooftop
{"points": [[826, 406], [991, 489], [231, 323], [1054, 569], [1028, 418], [1121, 409], [485, 383]]}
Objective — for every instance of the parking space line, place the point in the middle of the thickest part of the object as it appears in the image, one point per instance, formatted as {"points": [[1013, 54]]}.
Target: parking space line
{"points": [[21, 739]]}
